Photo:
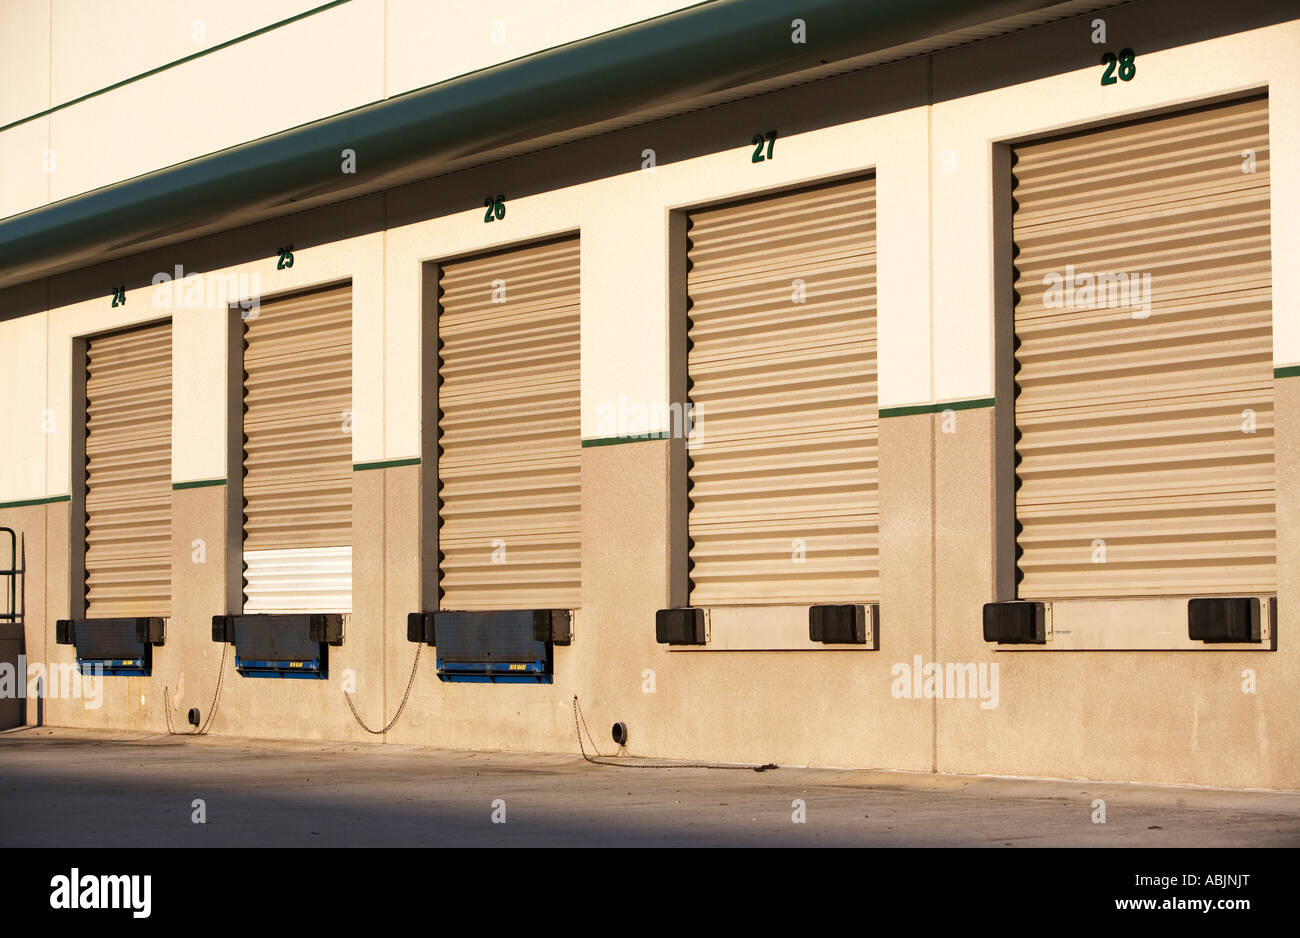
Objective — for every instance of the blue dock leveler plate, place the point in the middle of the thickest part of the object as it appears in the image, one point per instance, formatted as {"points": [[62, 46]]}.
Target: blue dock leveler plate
{"points": [[114, 667], [491, 648], [290, 645], [254, 667], [112, 647]]}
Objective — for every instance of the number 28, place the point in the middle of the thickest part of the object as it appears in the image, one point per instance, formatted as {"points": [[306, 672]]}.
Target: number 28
{"points": [[1127, 67]]}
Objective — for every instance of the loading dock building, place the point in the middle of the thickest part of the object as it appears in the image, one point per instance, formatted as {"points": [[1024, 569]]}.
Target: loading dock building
{"points": [[728, 366]]}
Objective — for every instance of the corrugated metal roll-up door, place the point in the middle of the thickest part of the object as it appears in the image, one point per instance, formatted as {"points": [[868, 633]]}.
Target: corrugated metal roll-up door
{"points": [[784, 503], [1145, 419], [128, 473], [298, 454], [508, 430]]}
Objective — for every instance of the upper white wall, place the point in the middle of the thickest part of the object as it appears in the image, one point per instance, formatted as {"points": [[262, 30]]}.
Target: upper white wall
{"points": [[24, 58], [358, 52], [24, 90], [98, 43], [313, 68], [429, 43]]}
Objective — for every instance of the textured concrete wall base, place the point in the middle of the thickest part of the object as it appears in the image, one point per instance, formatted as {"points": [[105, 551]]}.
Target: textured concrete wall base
{"points": [[1115, 715], [1170, 716]]}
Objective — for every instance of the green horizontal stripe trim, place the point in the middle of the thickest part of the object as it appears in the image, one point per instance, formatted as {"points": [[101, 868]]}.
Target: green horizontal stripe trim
{"points": [[612, 440], [197, 484], [936, 408], [1290, 371], [162, 68], [386, 464], [28, 502]]}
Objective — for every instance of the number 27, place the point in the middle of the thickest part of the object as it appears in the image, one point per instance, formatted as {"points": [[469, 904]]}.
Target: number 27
{"points": [[758, 140]]}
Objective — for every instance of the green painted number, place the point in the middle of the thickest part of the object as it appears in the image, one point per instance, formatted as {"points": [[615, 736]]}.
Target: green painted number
{"points": [[758, 141], [496, 208], [1127, 67], [286, 257], [119, 295], [1126, 63]]}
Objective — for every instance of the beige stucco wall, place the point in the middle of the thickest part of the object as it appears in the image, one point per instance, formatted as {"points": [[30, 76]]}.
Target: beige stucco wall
{"points": [[1169, 716], [1167, 78], [25, 425]]}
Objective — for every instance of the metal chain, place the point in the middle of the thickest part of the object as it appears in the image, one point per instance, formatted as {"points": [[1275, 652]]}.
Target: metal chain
{"points": [[402, 706], [167, 712], [603, 760], [212, 710], [590, 738], [216, 695]]}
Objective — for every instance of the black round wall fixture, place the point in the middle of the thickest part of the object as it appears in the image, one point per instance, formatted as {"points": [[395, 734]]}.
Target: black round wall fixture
{"points": [[193, 716], [620, 733]]}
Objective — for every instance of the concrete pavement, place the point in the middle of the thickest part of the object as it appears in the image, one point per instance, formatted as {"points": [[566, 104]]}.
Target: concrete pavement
{"points": [[73, 788]]}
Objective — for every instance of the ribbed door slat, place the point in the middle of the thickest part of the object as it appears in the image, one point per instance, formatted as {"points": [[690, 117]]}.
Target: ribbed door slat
{"points": [[298, 453], [508, 430], [783, 468], [128, 473], [1136, 473]]}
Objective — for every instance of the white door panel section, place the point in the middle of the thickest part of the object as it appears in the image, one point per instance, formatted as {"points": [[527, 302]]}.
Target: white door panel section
{"points": [[313, 579]]}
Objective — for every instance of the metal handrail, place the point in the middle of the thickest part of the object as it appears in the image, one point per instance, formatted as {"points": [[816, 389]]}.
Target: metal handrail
{"points": [[12, 574]]}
